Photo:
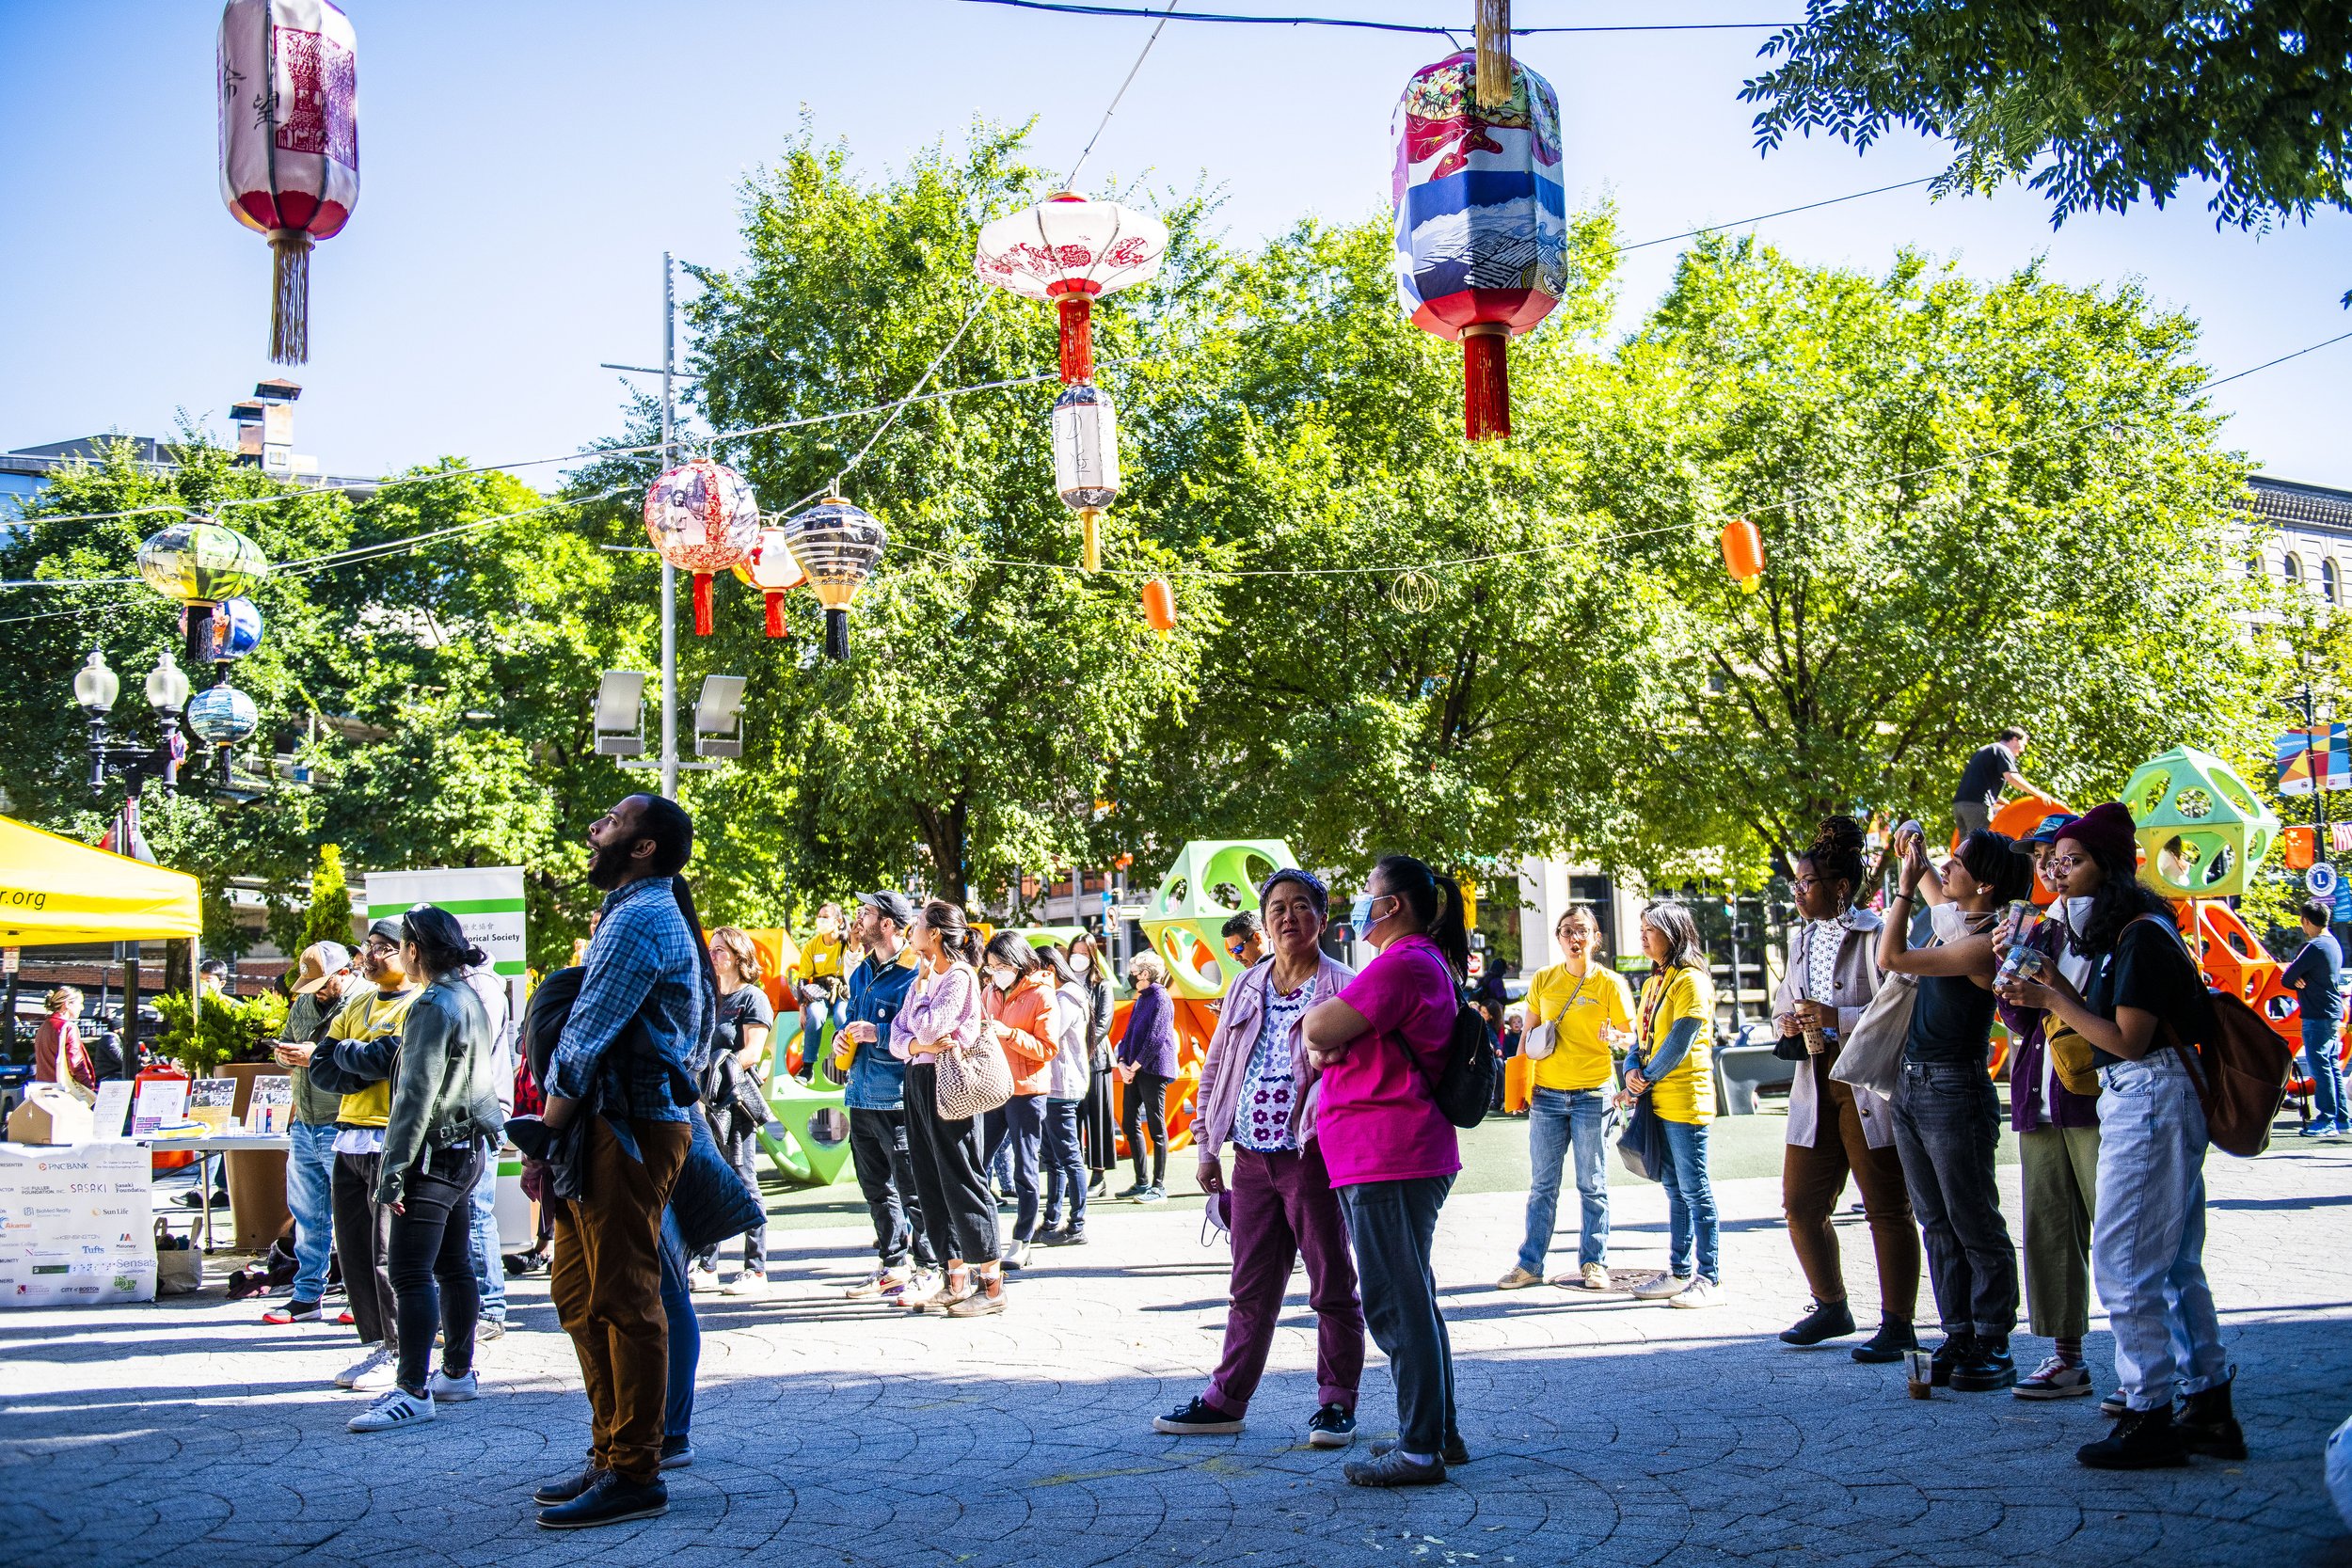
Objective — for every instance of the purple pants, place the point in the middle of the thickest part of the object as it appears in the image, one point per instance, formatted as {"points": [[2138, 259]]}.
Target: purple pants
{"points": [[1284, 1206]]}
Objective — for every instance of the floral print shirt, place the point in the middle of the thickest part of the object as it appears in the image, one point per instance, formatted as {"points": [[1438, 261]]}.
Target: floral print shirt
{"points": [[1263, 1122]]}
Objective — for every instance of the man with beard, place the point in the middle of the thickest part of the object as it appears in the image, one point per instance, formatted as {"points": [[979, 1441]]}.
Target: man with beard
{"points": [[624, 1061]]}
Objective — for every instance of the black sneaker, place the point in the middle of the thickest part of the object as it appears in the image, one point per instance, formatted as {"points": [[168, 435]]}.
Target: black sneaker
{"points": [[614, 1500], [677, 1452], [1074, 1236], [1891, 1343], [1828, 1320], [1955, 1349], [1455, 1451], [1134, 1191], [569, 1487], [2142, 1440], [1393, 1469], [1198, 1419], [1331, 1427], [1986, 1366]]}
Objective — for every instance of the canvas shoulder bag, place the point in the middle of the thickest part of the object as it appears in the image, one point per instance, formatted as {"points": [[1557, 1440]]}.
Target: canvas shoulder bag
{"points": [[1872, 1058], [1544, 1039]]}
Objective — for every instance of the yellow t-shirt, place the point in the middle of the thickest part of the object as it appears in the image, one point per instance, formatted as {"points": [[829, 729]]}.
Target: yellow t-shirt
{"points": [[363, 1018], [1686, 1094], [821, 956], [1579, 1004]]}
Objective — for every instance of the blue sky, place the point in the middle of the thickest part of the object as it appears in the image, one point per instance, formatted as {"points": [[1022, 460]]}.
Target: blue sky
{"points": [[525, 164]]}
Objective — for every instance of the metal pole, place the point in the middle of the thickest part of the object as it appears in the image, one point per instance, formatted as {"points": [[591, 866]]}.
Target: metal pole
{"points": [[669, 573]]}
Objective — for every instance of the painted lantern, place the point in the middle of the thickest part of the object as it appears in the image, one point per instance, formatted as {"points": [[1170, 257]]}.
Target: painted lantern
{"points": [[289, 91], [1480, 222], [701, 517], [839, 546], [773, 569]]}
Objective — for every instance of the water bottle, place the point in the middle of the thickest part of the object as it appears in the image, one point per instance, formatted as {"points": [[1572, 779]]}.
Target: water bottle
{"points": [[2020, 961]]}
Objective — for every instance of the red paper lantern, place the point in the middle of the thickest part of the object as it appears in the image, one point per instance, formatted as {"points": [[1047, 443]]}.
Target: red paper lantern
{"points": [[701, 517], [1743, 554], [773, 568], [1159, 605], [289, 90], [1069, 250]]}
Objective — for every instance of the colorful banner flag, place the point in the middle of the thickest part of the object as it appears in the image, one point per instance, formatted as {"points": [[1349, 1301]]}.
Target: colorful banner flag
{"points": [[2326, 754]]}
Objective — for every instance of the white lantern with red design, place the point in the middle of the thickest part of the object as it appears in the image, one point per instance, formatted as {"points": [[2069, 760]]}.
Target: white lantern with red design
{"points": [[702, 519], [1071, 251], [289, 91], [773, 569]]}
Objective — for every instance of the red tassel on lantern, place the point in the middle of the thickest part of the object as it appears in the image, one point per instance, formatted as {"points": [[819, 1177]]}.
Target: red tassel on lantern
{"points": [[775, 612], [1077, 337], [1485, 382], [701, 604]]}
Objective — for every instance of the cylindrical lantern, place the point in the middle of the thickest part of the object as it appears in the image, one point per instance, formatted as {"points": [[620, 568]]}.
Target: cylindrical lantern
{"points": [[236, 629], [1159, 605], [1085, 460], [773, 568], [701, 517], [196, 560], [222, 716], [1481, 221], [838, 545], [1743, 554], [289, 90], [1072, 250]]}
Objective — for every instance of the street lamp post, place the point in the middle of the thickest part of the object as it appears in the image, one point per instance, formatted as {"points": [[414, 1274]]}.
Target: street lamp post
{"points": [[95, 689]]}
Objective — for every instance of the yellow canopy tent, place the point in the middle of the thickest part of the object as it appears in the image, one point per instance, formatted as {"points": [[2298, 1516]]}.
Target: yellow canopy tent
{"points": [[53, 890]]}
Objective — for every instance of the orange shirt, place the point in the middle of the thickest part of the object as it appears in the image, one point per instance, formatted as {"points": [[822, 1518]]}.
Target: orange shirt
{"points": [[1028, 1034]]}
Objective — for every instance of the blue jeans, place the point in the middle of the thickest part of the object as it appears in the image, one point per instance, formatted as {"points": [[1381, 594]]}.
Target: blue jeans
{"points": [[489, 1269], [814, 1017], [686, 1333], [1557, 1118], [2327, 1070], [311, 1199], [1690, 1201], [1391, 1225], [2148, 1246]]}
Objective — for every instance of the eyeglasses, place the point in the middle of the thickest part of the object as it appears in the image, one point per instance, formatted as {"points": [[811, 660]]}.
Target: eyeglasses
{"points": [[1235, 947], [2068, 863]]}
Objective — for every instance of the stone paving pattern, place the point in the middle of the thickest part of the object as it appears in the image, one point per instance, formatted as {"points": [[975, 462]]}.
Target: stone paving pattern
{"points": [[827, 1431]]}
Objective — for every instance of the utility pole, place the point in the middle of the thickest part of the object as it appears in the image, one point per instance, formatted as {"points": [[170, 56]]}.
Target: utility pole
{"points": [[669, 573]]}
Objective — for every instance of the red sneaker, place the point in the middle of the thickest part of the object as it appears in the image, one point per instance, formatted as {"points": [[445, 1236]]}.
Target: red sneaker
{"points": [[345, 1318], [294, 1312]]}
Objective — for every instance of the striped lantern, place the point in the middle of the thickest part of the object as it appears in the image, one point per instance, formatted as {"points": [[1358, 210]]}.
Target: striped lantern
{"points": [[839, 546]]}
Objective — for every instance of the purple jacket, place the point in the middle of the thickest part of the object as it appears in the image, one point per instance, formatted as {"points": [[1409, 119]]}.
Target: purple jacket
{"points": [[2026, 1077], [1225, 1071], [1150, 1042]]}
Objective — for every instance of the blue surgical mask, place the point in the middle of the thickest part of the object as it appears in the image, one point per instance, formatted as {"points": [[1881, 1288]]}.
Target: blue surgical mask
{"points": [[1361, 916]]}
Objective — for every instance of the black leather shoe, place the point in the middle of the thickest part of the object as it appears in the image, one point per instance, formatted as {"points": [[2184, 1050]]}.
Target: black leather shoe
{"points": [[569, 1487], [1454, 1452], [614, 1500], [2142, 1440], [1891, 1343], [1393, 1469], [1827, 1321], [2207, 1425], [1955, 1349], [1985, 1368]]}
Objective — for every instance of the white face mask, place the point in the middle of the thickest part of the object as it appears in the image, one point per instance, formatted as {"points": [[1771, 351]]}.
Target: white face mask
{"points": [[1949, 920], [1082, 962], [1001, 978]]}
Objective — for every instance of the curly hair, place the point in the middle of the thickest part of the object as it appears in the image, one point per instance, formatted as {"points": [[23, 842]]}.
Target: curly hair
{"points": [[1836, 853]]}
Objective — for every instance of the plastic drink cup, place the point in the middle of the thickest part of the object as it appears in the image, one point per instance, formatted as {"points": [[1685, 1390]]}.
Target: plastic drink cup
{"points": [[1922, 1382]]}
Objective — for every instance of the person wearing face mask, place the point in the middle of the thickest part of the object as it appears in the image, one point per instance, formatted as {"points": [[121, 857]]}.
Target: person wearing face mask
{"points": [[1254, 1090], [1066, 1083], [1378, 1048], [2057, 1145], [1098, 1116], [1946, 1116], [1673, 1061], [820, 984], [943, 1010], [1835, 1128], [1019, 1002], [875, 1098], [1584, 1003]]}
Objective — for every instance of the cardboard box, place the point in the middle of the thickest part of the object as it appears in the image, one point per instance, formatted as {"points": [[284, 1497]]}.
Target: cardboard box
{"points": [[52, 1113]]}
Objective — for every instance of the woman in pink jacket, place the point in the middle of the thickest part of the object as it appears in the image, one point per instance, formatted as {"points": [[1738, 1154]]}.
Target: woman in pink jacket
{"points": [[1256, 1089]]}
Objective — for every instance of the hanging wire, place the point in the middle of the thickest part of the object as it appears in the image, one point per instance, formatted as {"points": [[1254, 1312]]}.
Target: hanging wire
{"points": [[1070, 181], [1138, 13]]}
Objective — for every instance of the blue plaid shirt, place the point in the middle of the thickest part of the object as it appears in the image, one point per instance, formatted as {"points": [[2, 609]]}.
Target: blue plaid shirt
{"points": [[644, 961]]}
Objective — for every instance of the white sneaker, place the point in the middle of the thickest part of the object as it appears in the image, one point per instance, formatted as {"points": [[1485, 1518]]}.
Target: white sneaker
{"points": [[877, 1283], [1596, 1276], [702, 1281], [1701, 1292], [398, 1408], [446, 1390], [1017, 1256], [367, 1363], [1659, 1287], [746, 1284], [371, 1374]]}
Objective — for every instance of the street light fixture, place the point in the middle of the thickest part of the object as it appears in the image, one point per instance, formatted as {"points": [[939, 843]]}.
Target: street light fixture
{"points": [[621, 713], [718, 717], [620, 720], [95, 691]]}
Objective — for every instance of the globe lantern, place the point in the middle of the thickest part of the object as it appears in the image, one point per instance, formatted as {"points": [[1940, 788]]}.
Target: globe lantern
{"points": [[222, 714], [1085, 460], [1071, 251], [702, 519], [839, 546], [289, 101], [196, 560], [236, 629], [771, 568], [1481, 219]]}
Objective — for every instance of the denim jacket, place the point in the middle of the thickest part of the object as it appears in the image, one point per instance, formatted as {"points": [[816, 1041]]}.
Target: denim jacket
{"points": [[877, 1080]]}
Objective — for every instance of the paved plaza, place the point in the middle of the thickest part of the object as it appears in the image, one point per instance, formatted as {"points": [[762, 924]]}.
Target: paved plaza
{"points": [[827, 1431]]}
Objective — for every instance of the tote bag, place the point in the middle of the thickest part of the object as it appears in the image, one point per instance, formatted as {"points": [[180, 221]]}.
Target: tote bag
{"points": [[1872, 1058], [974, 1079]]}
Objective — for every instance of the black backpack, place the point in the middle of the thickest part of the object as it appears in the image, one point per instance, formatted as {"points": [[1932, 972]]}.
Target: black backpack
{"points": [[1465, 1086]]}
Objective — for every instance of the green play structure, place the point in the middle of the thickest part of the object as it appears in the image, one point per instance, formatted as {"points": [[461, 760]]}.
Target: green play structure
{"points": [[1184, 917], [815, 1145], [2203, 827]]}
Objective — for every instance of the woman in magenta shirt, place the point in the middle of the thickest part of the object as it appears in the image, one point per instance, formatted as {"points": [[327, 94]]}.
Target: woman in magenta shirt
{"points": [[1379, 1046]]}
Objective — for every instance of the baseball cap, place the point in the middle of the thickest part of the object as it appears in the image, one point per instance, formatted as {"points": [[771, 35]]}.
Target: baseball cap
{"points": [[892, 904], [319, 962], [2045, 831], [389, 929]]}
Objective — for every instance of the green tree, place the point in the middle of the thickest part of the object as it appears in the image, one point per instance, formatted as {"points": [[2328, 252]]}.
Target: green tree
{"points": [[2098, 103], [328, 916]]}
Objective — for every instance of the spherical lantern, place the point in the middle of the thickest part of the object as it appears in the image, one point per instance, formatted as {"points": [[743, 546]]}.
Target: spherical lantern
{"points": [[236, 629], [1481, 221], [1743, 554], [773, 568], [1085, 460], [701, 517], [1072, 250], [196, 560], [1159, 605], [289, 100], [839, 546], [222, 714]]}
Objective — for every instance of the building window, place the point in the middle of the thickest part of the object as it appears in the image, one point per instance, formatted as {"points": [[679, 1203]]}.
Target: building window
{"points": [[2254, 566], [2331, 582], [2294, 568]]}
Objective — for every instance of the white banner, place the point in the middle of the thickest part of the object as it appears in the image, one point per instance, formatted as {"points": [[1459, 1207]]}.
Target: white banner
{"points": [[77, 1227]]}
